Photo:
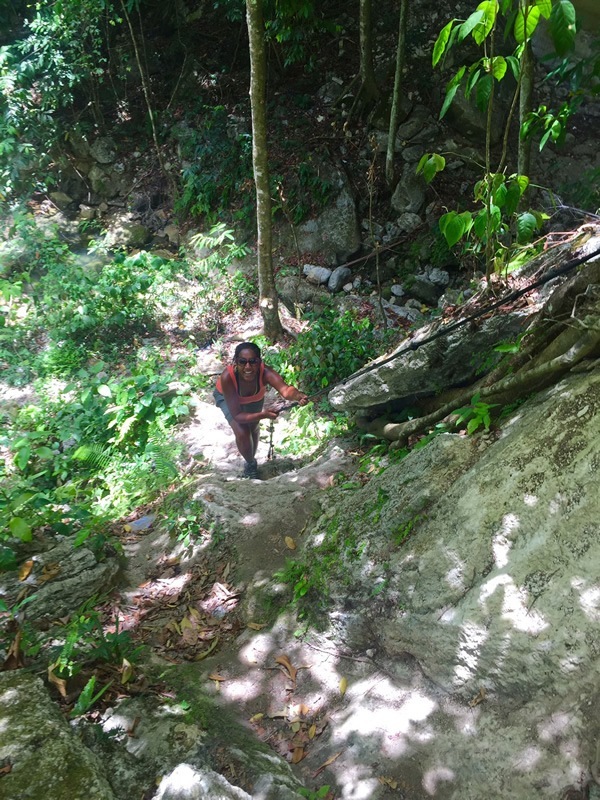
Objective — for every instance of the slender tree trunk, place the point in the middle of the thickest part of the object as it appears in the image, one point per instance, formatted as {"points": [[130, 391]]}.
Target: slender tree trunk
{"points": [[258, 71], [397, 95], [369, 90], [525, 107]]}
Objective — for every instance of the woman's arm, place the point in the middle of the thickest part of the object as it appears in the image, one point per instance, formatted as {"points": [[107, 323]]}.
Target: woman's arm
{"points": [[233, 403], [275, 380]]}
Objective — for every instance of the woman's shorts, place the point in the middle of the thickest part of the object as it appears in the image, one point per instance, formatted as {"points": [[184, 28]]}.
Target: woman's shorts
{"points": [[251, 408]]}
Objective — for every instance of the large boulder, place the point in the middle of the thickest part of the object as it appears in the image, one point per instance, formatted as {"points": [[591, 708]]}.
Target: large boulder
{"points": [[45, 758], [445, 362], [477, 589]]}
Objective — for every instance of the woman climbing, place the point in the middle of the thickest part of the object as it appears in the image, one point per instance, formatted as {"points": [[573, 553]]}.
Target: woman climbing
{"points": [[240, 395]]}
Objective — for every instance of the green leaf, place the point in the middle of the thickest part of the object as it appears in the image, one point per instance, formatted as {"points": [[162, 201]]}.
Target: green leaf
{"points": [[22, 457], [475, 19], [439, 48], [545, 7], [430, 165], [513, 195], [563, 26], [20, 529], [515, 66], [453, 227], [499, 66], [104, 390], [484, 92], [451, 90], [44, 453], [525, 23], [500, 195], [483, 29], [526, 225]]}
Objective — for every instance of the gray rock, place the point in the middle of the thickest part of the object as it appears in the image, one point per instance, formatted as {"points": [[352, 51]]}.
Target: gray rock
{"points": [[127, 233], [408, 222], [189, 783], [338, 278], [104, 150], [79, 577], [61, 200], [398, 290], [409, 194], [316, 275], [453, 360], [422, 288], [335, 232], [439, 277], [47, 759]]}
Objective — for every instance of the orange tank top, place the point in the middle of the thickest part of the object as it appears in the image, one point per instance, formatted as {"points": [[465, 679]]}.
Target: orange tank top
{"points": [[251, 398]]}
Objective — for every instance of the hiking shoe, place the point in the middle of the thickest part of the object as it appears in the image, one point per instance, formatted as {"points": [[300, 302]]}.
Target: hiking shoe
{"points": [[251, 469]]}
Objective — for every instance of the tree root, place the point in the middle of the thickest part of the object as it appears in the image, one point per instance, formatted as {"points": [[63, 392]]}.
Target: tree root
{"points": [[567, 351]]}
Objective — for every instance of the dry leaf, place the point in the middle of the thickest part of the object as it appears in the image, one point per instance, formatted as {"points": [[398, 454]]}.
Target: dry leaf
{"points": [[479, 698], [287, 664], [131, 730], [343, 686], [5, 769], [256, 717], [329, 761], [127, 671], [200, 656], [312, 731], [49, 572], [214, 677], [393, 784], [298, 755], [226, 571], [291, 544], [257, 626], [14, 657], [295, 726], [25, 569], [60, 684]]}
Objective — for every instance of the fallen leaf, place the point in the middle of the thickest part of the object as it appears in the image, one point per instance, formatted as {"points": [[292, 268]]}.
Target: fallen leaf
{"points": [[291, 544], [25, 569], [393, 784], [14, 658], [5, 769], [329, 761], [343, 686], [131, 730], [298, 755], [256, 717], [287, 664], [295, 726], [214, 677], [49, 572], [226, 571], [206, 653], [257, 626], [479, 698], [312, 731], [60, 683], [127, 671]]}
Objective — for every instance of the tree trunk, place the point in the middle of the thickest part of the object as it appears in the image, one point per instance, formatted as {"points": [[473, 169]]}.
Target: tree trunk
{"points": [[397, 95], [525, 107], [258, 71], [369, 91]]}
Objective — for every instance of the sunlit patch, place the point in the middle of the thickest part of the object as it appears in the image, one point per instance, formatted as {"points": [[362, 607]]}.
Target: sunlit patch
{"points": [[590, 603], [528, 759], [434, 777], [455, 576], [250, 519], [472, 639], [516, 610], [555, 727], [394, 723], [530, 500]]}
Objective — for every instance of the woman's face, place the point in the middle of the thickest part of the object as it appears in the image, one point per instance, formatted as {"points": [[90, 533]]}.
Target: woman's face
{"points": [[248, 364]]}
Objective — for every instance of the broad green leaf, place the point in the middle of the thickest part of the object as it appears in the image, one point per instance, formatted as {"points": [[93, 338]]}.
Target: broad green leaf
{"points": [[451, 90], [563, 26], [526, 225], [522, 181], [104, 390], [515, 66], [500, 195], [526, 23], [430, 165], [44, 453], [465, 29], [475, 74], [20, 529], [483, 29], [439, 48], [453, 227], [22, 457], [545, 7], [499, 67], [483, 92], [480, 224], [513, 195]]}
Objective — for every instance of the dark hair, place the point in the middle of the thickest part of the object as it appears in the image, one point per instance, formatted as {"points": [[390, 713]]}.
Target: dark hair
{"points": [[246, 346]]}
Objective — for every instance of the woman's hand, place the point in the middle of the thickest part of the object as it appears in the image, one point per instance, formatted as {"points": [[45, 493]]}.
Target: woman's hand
{"points": [[302, 399], [268, 414]]}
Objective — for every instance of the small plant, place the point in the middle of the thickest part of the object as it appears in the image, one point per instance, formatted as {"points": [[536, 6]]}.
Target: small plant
{"points": [[476, 415], [88, 699], [323, 793]]}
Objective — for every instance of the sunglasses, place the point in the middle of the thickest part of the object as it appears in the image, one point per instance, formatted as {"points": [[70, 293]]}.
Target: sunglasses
{"points": [[243, 361]]}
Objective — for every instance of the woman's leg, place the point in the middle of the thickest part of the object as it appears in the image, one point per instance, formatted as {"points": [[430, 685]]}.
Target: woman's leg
{"points": [[255, 437], [244, 438]]}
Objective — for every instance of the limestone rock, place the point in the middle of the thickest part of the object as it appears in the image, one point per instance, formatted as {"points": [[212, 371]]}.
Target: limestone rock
{"points": [[335, 232], [47, 759], [315, 274], [338, 278], [104, 150], [409, 194]]}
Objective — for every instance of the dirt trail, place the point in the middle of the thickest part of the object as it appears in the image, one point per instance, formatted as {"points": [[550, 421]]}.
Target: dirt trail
{"points": [[310, 696]]}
